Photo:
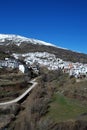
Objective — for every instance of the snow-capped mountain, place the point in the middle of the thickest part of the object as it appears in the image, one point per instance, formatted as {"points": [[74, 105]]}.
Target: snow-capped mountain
{"points": [[9, 37], [18, 44], [19, 39]]}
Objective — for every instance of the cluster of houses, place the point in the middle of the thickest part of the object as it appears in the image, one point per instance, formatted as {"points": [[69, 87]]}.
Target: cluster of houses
{"points": [[40, 59], [13, 63], [77, 70], [9, 63]]}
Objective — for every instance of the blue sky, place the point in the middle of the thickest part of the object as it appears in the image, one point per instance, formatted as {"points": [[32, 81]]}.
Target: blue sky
{"points": [[62, 22]]}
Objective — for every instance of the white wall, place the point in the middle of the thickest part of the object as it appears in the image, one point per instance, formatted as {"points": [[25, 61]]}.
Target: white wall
{"points": [[22, 68]]}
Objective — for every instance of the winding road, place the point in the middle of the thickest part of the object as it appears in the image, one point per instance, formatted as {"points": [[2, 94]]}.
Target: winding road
{"points": [[21, 96]]}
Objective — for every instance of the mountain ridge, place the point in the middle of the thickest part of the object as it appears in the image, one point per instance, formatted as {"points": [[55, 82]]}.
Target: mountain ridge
{"points": [[19, 39]]}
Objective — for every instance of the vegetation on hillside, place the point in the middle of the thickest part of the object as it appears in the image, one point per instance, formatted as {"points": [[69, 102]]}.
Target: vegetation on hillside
{"points": [[3, 55], [47, 107]]}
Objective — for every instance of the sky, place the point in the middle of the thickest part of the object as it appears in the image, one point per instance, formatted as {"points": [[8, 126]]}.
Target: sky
{"points": [[61, 22]]}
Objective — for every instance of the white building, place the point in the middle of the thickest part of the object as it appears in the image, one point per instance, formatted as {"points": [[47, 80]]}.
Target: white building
{"points": [[22, 68]]}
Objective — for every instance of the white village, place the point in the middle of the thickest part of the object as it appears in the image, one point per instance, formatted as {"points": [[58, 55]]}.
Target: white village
{"points": [[41, 59], [78, 70]]}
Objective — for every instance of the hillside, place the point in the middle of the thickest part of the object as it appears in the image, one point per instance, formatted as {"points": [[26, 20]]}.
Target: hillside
{"points": [[18, 44], [66, 55], [58, 101], [3, 54], [46, 108]]}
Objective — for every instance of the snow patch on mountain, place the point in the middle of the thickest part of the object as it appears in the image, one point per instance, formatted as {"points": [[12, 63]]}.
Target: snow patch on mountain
{"points": [[17, 39]]}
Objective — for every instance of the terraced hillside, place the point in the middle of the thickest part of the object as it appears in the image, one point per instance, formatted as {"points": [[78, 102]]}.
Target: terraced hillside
{"points": [[12, 85]]}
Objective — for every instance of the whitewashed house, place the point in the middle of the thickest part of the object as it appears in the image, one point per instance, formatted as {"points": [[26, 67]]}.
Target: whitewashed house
{"points": [[22, 68]]}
